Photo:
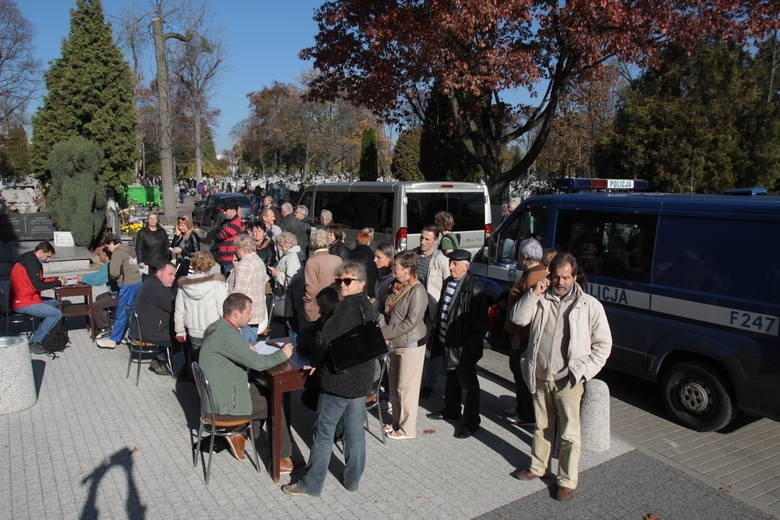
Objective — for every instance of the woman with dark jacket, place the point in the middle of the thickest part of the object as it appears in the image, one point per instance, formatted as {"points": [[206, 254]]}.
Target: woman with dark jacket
{"points": [[265, 247], [383, 260], [363, 254], [336, 245], [343, 393], [184, 245], [151, 244]]}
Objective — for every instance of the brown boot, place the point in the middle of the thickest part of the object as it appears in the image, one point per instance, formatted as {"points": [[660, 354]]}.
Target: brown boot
{"points": [[235, 442], [285, 466]]}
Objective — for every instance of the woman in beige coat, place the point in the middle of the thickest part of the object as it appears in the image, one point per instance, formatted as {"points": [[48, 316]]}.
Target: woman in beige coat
{"points": [[403, 327]]}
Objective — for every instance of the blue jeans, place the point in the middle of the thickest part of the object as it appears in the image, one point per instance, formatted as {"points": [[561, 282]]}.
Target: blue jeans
{"points": [[330, 409], [48, 312], [126, 297]]}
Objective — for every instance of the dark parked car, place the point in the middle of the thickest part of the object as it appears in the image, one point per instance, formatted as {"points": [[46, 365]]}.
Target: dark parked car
{"points": [[208, 213]]}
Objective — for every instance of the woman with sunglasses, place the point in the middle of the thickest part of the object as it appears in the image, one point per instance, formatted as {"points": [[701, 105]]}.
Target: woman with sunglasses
{"points": [[343, 393], [185, 243], [403, 326]]}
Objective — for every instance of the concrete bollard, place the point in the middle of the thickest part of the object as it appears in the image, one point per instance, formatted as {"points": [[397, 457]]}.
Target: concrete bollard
{"points": [[594, 416], [17, 383]]}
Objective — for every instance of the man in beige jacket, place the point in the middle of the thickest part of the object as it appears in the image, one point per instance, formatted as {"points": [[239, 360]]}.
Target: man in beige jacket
{"points": [[569, 343]]}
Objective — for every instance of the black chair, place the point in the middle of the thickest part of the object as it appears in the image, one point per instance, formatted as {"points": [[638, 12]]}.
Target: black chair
{"points": [[213, 427], [10, 316], [373, 401], [142, 351]]}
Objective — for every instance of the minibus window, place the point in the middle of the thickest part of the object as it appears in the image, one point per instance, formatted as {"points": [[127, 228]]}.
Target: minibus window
{"points": [[468, 209], [356, 210]]}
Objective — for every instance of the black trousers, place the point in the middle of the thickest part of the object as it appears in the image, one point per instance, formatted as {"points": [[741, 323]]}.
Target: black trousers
{"points": [[523, 407], [461, 387]]}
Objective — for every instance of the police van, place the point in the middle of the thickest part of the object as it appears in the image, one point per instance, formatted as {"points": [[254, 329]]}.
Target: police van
{"points": [[397, 211], [690, 284]]}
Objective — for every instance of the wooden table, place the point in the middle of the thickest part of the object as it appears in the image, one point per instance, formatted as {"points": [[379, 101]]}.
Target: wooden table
{"points": [[77, 309], [280, 380]]}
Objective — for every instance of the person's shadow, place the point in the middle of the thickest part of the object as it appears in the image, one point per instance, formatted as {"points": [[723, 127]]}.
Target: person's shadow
{"points": [[133, 506]]}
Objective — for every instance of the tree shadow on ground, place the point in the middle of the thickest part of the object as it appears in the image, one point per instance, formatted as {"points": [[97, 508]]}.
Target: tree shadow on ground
{"points": [[133, 506]]}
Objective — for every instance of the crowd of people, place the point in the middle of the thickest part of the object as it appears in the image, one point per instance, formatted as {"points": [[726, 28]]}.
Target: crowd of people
{"points": [[287, 277]]}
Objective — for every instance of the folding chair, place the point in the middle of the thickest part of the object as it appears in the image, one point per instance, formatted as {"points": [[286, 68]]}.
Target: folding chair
{"points": [[11, 316], [214, 427], [373, 401], [140, 350]]}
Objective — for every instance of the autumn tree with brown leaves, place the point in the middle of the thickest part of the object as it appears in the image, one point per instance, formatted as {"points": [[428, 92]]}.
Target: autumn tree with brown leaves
{"points": [[381, 53]]}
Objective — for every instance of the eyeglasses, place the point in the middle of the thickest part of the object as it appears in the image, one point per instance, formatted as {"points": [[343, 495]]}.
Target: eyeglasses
{"points": [[182, 219], [346, 281]]}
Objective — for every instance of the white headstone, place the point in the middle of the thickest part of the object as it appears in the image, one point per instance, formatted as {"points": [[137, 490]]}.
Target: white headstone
{"points": [[63, 239]]}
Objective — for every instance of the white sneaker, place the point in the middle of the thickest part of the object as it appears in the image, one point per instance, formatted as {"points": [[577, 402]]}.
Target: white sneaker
{"points": [[106, 343]]}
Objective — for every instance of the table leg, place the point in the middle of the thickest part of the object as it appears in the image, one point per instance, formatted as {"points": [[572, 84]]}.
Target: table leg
{"points": [[276, 430]]}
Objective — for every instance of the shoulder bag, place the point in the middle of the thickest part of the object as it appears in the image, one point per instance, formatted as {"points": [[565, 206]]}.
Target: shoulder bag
{"points": [[282, 302], [360, 345]]}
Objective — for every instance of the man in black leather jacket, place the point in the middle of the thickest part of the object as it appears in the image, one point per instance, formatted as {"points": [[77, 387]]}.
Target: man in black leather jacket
{"points": [[461, 324]]}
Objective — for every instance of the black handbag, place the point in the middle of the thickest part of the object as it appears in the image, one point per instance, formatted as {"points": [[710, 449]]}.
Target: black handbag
{"points": [[282, 302], [360, 345]]}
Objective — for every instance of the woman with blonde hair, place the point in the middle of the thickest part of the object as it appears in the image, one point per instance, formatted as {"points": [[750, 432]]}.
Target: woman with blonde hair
{"points": [[403, 326], [185, 243]]}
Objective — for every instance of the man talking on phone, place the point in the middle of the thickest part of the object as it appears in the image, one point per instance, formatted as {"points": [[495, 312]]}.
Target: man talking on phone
{"points": [[569, 343]]}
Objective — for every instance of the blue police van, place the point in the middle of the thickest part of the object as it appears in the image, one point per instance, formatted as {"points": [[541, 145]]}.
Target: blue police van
{"points": [[690, 284]]}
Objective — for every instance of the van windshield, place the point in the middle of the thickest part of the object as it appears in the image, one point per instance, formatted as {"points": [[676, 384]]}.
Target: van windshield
{"points": [[468, 210]]}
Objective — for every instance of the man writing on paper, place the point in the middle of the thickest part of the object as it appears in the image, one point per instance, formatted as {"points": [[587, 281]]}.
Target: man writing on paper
{"points": [[224, 358]]}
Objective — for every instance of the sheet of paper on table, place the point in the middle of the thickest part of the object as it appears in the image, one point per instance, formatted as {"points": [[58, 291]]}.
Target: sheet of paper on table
{"points": [[268, 347], [71, 281]]}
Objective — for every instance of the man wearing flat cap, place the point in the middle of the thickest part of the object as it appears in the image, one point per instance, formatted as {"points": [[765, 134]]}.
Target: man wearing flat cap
{"points": [[461, 323]]}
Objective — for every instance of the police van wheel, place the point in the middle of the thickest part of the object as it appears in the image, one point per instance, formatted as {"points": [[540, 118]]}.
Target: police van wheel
{"points": [[697, 397]]}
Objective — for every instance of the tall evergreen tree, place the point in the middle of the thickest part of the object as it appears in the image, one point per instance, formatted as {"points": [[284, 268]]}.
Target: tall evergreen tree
{"points": [[406, 156], [90, 94], [369, 156], [14, 153], [699, 123]]}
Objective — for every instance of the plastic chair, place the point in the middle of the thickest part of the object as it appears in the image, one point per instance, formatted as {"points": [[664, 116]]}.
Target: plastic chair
{"points": [[140, 350], [374, 404], [11, 316], [212, 426]]}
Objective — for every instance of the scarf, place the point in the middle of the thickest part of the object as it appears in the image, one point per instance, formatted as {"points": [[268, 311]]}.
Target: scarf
{"points": [[398, 290]]}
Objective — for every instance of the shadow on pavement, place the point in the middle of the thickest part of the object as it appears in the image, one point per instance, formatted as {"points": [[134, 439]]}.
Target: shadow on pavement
{"points": [[39, 368], [133, 507]]}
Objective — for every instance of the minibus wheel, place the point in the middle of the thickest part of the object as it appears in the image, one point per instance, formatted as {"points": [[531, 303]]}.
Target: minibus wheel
{"points": [[696, 396]]}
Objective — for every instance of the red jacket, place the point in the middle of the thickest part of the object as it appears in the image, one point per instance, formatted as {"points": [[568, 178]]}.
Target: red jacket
{"points": [[227, 235], [27, 281]]}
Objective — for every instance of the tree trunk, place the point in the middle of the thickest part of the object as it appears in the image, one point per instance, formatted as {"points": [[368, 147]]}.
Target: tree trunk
{"points": [[198, 144], [166, 133]]}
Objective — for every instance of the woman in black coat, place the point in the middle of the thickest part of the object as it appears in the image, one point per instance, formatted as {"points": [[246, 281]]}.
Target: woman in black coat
{"points": [[343, 394], [185, 243], [151, 244]]}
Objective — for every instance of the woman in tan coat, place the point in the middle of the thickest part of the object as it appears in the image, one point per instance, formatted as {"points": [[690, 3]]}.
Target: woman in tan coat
{"points": [[403, 327]]}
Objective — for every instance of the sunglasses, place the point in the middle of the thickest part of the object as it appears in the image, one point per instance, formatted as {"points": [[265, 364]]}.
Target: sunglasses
{"points": [[346, 281]]}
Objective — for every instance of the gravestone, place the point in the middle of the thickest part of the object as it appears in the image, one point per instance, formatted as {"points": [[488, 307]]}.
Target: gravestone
{"points": [[18, 227]]}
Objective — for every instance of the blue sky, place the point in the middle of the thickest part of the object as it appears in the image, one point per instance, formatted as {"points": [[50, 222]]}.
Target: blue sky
{"points": [[262, 37]]}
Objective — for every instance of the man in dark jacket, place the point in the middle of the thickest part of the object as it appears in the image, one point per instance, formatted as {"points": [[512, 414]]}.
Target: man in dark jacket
{"points": [[461, 323], [27, 282], [154, 306], [231, 227], [294, 222]]}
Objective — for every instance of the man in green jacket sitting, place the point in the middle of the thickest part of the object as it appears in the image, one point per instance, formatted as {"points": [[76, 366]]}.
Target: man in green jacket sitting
{"points": [[224, 358]]}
